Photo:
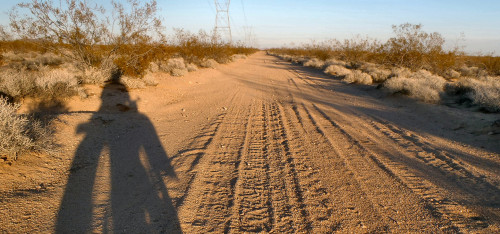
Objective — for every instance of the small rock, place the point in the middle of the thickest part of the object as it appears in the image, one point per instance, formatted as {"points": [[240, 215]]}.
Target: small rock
{"points": [[224, 108]]}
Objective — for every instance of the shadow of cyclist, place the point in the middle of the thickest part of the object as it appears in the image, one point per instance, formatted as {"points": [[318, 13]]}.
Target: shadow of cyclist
{"points": [[138, 199]]}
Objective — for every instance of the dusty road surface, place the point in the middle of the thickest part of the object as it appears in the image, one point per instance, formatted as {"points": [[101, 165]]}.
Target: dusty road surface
{"points": [[259, 145]]}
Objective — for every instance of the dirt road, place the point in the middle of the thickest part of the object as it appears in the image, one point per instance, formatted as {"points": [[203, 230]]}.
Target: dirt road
{"points": [[260, 145]]}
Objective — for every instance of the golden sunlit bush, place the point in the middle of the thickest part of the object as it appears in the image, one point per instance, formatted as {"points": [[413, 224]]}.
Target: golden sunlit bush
{"points": [[337, 70], [421, 85], [358, 77], [314, 62]]}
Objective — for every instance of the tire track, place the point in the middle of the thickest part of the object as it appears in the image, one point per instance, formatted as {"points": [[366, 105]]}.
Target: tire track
{"points": [[449, 170], [430, 173], [209, 201], [375, 179]]}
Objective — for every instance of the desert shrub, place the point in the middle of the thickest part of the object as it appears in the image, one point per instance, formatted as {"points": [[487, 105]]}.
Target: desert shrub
{"points": [[377, 73], [358, 77], [209, 63], [401, 72], [132, 83], [48, 59], [81, 31], [20, 134], [333, 61], [337, 70], [174, 66], [236, 57], [472, 71], [56, 83], [17, 83], [150, 80], [487, 62], [93, 75], [482, 91], [421, 85], [451, 74], [191, 67], [314, 62], [154, 67]]}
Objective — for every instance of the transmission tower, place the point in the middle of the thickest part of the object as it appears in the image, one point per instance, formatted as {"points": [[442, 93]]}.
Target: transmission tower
{"points": [[222, 25]]}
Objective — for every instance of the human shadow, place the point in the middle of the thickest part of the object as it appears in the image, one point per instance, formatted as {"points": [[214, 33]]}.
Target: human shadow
{"points": [[137, 199]]}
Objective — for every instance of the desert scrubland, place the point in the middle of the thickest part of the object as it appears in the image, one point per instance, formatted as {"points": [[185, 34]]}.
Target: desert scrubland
{"points": [[133, 131]]}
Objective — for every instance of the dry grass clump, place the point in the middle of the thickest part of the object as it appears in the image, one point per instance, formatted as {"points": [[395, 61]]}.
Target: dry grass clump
{"points": [[358, 77], [332, 61], [191, 67], [17, 83], [451, 74], [132, 83], [482, 91], [93, 75], [378, 73], [175, 66], [472, 71], [236, 57], [337, 70], [20, 134], [314, 62], [421, 85], [149, 79], [56, 83], [209, 63]]}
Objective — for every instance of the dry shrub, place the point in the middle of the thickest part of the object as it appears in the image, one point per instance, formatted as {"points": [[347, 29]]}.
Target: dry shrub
{"points": [[17, 83], [337, 70], [314, 62], [451, 74], [421, 85], [48, 59], [175, 66], [154, 67], [93, 75], [191, 67], [358, 77], [209, 63], [20, 134], [482, 91], [56, 83], [150, 80], [132, 83], [236, 57], [472, 71], [335, 62], [401, 72], [378, 73]]}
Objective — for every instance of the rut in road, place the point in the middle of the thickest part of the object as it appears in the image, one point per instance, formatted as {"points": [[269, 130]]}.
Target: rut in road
{"points": [[289, 157]]}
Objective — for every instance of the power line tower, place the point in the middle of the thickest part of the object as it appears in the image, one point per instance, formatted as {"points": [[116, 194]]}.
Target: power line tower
{"points": [[222, 25]]}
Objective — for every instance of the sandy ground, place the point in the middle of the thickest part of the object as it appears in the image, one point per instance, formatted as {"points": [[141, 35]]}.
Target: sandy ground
{"points": [[258, 145]]}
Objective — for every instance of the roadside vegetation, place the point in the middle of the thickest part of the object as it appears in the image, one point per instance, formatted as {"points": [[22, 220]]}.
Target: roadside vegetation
{"points": [[51, 50], [413, 63]]}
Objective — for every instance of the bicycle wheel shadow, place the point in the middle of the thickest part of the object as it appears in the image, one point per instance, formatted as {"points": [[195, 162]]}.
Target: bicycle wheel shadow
{"points": [[137, 198]]}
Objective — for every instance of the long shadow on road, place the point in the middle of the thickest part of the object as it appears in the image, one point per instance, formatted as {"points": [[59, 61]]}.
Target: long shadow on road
{"points": [[134, 198]]}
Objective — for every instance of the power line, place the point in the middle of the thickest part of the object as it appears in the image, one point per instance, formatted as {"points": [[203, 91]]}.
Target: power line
{"points": [[222, 22]]}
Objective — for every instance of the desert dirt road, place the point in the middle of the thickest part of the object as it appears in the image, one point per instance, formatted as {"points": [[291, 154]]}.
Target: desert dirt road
{"points": [[261, 145]]}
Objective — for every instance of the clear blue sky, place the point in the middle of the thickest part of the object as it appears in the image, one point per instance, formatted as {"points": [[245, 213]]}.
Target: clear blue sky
{"points": [[274, 23]]}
